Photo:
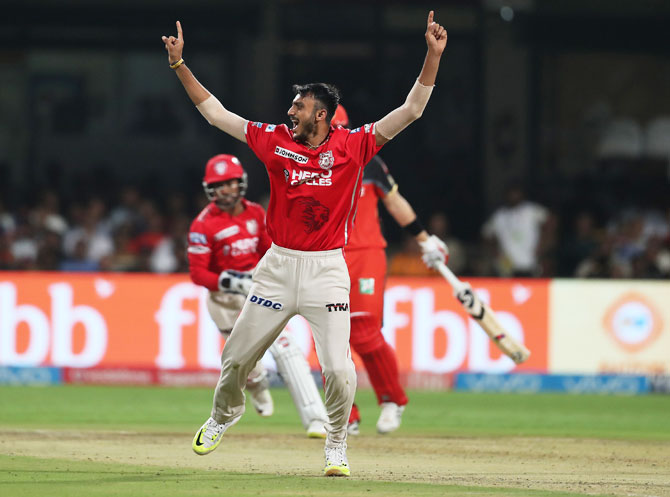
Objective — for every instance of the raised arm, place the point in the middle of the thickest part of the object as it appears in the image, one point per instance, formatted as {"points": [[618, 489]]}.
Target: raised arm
{"points": [[397, 120], [208, 105]]}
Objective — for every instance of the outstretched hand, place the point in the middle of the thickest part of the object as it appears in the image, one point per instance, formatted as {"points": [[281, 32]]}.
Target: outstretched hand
{"points": [[175, 46], [436, 36]]}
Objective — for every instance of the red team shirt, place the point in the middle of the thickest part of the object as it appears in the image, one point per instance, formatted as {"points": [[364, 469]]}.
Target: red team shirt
{"points": [[314, 193], [218, 241], [377, 184]]}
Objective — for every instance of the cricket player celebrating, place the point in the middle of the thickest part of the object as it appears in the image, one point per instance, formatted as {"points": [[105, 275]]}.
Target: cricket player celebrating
{"points": [[315, 173], [366, 260], [225, 243]]}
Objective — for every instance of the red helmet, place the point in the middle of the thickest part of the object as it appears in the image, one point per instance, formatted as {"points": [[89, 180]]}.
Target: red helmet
{"points": [[340, 118], [220, 168]]}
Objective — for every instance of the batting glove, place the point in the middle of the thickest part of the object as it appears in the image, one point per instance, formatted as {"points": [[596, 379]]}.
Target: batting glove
{"points": [[235, 282], [434, 251]]}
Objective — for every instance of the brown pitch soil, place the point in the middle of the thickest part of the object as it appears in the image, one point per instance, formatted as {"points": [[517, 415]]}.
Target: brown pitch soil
{"points": [[585, 466]]}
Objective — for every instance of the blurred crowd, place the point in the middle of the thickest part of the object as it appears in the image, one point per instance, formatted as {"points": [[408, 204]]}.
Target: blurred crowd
{"points": [[520, 238], [135, 234], [525, 239]]}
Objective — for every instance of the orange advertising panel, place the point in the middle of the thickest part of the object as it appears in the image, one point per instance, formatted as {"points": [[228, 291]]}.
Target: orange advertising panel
{"points": [[133, 320], [105, 320], [431, 331]]}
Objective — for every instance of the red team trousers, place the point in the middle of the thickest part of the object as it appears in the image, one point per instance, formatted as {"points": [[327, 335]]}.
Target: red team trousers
{"points": [[367, 272]]}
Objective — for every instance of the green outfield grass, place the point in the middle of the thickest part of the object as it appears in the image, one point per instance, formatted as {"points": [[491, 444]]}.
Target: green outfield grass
{"points": [[174, 414], [429, 413]]}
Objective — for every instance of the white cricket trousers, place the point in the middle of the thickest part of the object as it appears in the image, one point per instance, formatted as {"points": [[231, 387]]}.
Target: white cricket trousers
{"points": [[285, 283]]}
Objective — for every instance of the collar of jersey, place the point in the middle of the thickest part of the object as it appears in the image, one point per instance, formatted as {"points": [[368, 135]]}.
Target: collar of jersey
{"points": [[325, 141]]}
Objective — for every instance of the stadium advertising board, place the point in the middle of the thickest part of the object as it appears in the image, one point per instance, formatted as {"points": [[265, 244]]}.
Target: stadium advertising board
{"points": [[152, 321], [609, 327]]}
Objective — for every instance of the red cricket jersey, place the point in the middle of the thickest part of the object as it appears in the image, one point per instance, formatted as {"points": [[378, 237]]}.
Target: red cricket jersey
{"points": [[218, 241], [377, 184], [313, 193]]}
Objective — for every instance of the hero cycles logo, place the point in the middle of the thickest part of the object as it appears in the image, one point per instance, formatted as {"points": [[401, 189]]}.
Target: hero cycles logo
{"points": [[312, 178]]}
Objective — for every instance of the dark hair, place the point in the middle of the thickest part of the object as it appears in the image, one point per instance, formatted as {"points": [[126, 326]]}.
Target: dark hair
{"points": [[327, 96]]}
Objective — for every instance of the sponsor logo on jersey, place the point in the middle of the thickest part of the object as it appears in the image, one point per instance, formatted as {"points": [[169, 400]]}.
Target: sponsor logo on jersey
{"points": [[195, 237], [287, 154], [287, 175], [352, 131], [367, 127], [252, 226], [198, 249], [242, 246], [270, 128], [337, 307], [366, 286], [255, 299], [226, 232], [312, 178], [258, 125], [326, 160]]}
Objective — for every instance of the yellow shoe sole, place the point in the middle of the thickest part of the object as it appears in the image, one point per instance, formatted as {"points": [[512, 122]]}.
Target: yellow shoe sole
{"points": [[336, 471], [199, 448]]}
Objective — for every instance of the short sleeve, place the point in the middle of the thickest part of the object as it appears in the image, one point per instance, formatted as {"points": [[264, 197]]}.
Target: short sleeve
{"points": [[377, 174], [259, 138], [361, 143]]}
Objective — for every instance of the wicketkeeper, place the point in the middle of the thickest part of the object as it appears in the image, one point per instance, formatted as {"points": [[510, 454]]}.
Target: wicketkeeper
{"points": [[225, 243]]}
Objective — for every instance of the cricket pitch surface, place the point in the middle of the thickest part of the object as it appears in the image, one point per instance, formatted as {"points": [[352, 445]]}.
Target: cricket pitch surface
{"points": [[575, 465]]}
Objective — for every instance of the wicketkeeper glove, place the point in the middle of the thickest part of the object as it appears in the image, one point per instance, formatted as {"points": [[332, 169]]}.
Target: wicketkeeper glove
{"points": [[434, 251], [235, 282]]}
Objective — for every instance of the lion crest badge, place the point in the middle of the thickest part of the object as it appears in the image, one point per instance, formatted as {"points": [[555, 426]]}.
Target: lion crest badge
{"points": [[326, 160], [252, 226]]}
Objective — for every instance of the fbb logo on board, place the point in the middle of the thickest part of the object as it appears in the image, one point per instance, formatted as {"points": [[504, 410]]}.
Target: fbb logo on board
{"points": [[444, 340], [52, 333]]}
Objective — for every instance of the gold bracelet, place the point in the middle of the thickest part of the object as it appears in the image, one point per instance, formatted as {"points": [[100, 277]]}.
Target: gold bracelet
{"points": [[177, 64]]}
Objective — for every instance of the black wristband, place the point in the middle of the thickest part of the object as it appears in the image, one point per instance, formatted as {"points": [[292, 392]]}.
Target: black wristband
{"points": [[414, 228]]}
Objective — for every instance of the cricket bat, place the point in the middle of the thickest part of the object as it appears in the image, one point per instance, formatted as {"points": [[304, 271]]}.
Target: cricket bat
{"points": [[483, 314]]}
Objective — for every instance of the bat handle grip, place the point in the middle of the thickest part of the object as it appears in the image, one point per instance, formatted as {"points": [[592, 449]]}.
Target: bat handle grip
{"points": [[456, 284]]}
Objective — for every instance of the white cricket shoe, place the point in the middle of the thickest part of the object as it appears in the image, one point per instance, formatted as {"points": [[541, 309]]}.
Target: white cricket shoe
{"points": [[317, 429], [209, 436], [389, 419], [260, 397], [336, 461], [354, 428]]}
